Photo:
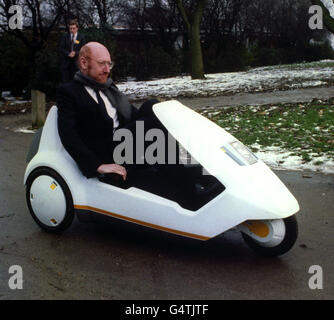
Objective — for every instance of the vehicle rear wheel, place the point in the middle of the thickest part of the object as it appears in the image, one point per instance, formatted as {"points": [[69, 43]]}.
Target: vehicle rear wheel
{"points": [[271, 237], [49, 200]]}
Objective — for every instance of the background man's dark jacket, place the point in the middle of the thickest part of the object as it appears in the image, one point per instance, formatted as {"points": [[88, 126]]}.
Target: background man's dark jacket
{"points": [[65, 48], [85, 128]]}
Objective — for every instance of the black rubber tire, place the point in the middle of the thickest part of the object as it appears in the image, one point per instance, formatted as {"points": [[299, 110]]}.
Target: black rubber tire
{"points": [[289, 240], [69, 215]]}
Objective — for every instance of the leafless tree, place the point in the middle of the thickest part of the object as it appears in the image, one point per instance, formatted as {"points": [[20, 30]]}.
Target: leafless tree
{"points": [[40, 18]]}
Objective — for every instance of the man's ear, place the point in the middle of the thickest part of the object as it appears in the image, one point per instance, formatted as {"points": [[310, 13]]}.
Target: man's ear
{"points": [[83, 63]]}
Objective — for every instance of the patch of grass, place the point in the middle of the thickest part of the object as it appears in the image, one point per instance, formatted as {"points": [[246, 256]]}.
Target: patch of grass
{"points": [[306, 130]]}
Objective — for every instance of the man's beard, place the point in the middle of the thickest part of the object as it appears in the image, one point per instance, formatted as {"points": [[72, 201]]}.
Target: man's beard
{"points": [[89, 68]]}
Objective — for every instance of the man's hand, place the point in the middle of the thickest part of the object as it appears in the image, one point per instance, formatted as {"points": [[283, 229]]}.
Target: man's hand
{"points": [[71, 54], [112, 168]]}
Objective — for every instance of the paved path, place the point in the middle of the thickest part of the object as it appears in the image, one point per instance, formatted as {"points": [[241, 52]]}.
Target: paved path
{"points": [[120, 260], [261, 98], [124, 261]]}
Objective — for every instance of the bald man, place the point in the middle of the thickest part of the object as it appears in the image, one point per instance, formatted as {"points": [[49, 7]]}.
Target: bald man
{"points": [[91, 108]]}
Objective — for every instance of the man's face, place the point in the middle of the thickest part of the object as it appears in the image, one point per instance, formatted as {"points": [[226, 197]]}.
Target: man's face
{"points": [[98, 66], [73, 28]]}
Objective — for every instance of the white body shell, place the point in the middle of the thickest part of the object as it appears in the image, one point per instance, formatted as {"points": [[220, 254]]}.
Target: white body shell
{"points": [[253, 191]]}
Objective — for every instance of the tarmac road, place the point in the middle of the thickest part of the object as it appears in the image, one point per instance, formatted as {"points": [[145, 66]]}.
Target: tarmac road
{"points": [[261, 98], [124, 261]]}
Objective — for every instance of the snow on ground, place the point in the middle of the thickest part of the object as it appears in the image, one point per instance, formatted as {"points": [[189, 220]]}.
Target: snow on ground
{"points": [[254, 80], [261, 79], [329, 4], [24, 130], [280, 159], [6, 96]]}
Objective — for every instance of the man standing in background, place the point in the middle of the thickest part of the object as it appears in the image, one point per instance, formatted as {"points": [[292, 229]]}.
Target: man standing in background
{"points": [[70, 46]]}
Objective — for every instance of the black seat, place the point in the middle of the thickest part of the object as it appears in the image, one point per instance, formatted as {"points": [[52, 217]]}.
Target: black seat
{"points": [[186, 186]]}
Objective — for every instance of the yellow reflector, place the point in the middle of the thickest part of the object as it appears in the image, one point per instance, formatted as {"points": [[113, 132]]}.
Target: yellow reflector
{"points": [[258, 227], [53, 186]]}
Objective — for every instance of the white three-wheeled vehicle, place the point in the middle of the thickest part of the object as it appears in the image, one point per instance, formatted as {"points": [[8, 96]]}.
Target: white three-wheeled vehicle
{"points": [[235, 189]]}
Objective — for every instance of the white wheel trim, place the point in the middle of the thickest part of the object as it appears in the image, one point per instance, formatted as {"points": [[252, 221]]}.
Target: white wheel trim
{"points": [[275, 236], [47, 200]]}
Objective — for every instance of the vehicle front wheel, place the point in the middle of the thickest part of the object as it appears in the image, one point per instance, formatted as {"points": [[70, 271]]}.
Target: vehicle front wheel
{"points": [[49, 200], [270, 237]]}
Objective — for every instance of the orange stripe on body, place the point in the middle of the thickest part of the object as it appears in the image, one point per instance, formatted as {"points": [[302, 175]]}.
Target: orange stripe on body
{"points": [[146, 224]]}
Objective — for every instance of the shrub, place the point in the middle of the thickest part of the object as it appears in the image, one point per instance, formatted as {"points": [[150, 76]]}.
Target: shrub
{"points": [[14, 65], [266, 56], [231, 58], [47, 74], [144, 63]]}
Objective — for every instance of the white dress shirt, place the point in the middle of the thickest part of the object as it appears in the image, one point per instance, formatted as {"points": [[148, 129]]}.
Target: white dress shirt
{"points": [[111, 110], [74, 37]]}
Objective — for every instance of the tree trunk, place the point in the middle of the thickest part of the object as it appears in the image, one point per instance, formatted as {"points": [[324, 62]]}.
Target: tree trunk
{"points": [[37, 108], [192, 21], [197, 68]]}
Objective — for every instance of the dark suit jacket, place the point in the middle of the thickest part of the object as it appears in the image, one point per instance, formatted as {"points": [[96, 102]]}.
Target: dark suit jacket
{"points": [[65, 48], [85, 128]]}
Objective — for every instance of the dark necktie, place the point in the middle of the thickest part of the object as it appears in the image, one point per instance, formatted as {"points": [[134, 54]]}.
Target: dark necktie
{"points": [[72, 38], [103, 106], [100, 100]]}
